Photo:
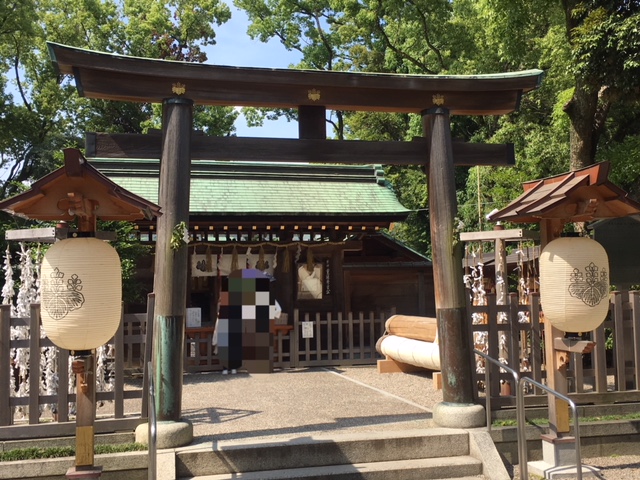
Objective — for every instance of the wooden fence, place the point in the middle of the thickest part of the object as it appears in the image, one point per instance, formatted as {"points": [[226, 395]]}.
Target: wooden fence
{"points": [[320, 339], [338, 340], [34, 425], [609, 374]]}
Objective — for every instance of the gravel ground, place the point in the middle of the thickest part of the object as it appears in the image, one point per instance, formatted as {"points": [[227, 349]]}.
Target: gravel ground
{"points": [[301, 402], [304, 402]]}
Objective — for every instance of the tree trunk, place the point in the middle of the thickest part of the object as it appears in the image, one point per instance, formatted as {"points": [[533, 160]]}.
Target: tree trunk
{"points": [[583, 137]]}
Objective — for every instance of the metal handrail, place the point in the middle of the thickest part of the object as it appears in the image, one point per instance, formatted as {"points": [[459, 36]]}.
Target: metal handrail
{"points": [[153, 428], [576, 425], [520, 416], [522, 440]]}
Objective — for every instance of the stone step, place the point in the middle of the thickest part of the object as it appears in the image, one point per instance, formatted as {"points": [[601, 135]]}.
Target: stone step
{"points": [[457, 468], [295, 452]]}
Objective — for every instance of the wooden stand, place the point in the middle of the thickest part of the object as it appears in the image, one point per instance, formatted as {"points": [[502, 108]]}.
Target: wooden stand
{"points": [[388, 365], [85, 370]]}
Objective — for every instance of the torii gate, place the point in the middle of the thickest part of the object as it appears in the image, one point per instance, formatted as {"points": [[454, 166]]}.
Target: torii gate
{"points": [[178, 85]]}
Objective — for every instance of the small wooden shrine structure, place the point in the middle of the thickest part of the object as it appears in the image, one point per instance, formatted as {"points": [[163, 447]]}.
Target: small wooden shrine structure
{"points": [[284, 218], [580, 196]]}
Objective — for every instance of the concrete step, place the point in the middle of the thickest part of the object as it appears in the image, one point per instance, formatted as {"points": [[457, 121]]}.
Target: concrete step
{"points": [[295, 452], [421, 469]]}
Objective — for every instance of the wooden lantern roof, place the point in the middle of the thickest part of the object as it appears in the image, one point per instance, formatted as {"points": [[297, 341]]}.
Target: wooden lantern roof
{"points": [[580, 196], [78, 189], [125, 78]]}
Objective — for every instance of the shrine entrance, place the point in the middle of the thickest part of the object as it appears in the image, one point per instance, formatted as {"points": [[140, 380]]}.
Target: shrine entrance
{"points": [[178, 86]]}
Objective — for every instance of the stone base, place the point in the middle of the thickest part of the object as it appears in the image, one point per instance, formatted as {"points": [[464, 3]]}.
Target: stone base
{"points": [[559, 451], [459, 415], [559, 459], [76, 473], [555, 472], [168, 434]]}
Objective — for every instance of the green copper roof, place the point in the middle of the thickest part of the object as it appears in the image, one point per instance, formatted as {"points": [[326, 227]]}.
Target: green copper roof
{"points": [[263, 189]]}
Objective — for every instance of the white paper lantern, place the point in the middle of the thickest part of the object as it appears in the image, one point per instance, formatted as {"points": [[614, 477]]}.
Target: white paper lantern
{"points": [[574, 284], [81, 285]]}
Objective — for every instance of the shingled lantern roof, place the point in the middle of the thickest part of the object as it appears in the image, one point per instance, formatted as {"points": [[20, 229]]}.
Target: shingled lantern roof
{"points": [[64, 193], [580, 196]]}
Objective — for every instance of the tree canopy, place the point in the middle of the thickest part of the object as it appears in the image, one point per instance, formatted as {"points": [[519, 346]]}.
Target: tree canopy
{"points": [[41, 112]]}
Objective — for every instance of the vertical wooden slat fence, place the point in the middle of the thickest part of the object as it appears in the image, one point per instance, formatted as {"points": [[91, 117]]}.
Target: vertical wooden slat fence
{"points": [[336, 340], [610, 373], [33, 426], [283, 345]]}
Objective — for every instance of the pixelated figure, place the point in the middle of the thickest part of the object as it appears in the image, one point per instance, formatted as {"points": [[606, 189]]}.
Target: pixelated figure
{"points": [[244, 322]]}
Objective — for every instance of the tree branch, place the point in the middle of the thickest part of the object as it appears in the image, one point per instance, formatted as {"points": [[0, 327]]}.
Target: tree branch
{"points": [[427, 38], [399, 52], [16, 70]]}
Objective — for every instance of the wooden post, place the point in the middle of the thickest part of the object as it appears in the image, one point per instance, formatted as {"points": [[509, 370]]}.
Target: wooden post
{"points": [[312, 124], [453, 335], [6, 377], [555, 365], [170, 284], [84, 367]]}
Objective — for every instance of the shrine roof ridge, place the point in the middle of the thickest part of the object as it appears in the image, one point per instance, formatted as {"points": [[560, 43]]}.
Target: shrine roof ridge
{"points": [[253, 188], [301, 171]]}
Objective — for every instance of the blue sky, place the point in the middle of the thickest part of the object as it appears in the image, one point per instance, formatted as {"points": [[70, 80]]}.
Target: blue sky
{"points": [[234, 47]]}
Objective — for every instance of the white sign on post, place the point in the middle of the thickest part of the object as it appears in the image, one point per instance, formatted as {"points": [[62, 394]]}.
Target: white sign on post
{"points": [[194, 317], [307, 329]]}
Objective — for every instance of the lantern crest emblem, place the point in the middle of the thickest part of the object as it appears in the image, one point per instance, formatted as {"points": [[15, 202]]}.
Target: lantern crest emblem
{"points": [[60, 299], [591, 288]]}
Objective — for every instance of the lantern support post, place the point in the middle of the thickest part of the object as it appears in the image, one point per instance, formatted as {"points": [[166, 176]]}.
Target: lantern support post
{"points": [[84, 367], [558, 446], [555, 360]]}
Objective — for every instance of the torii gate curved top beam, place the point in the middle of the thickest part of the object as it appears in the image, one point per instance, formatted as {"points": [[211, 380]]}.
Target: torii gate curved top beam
{"points": [[133, 79]]}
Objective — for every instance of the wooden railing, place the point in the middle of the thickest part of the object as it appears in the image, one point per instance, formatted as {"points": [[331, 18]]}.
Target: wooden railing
{"points": [[610, 373], [334, 340], [35, 423]]}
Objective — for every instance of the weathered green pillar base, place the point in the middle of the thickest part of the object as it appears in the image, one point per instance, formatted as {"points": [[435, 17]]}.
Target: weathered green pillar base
{"points": [[168, 434], [169, 350], [459, 415]]}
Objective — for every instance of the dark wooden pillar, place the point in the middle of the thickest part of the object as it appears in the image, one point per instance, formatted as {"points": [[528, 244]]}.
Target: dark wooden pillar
{"points": [[453, 329], [171, 263], [312, 122]]}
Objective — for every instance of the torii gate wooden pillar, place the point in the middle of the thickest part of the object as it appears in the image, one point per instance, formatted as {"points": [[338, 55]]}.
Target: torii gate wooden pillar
{"points": [[171, 260], [455, 351], [116, 77]]}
